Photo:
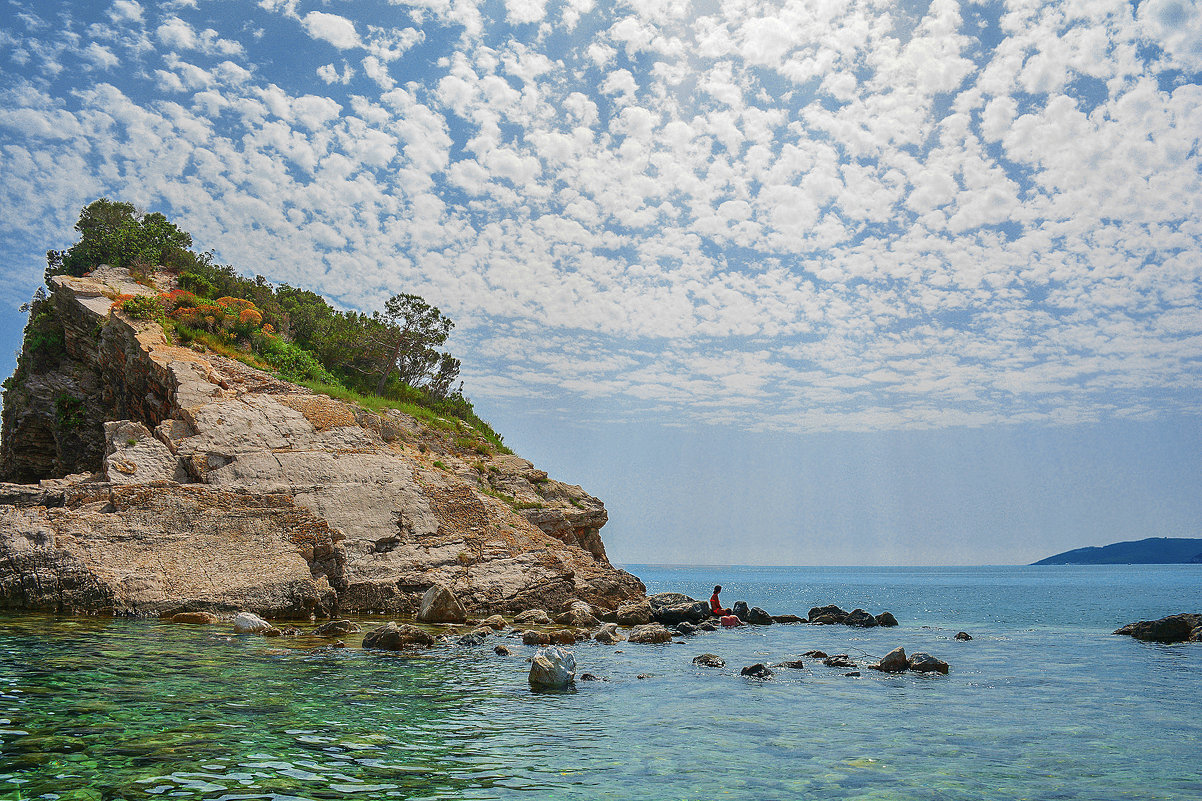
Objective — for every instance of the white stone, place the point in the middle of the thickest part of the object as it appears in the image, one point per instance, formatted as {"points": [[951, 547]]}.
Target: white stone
{"points": [[552, 669], [250, 623]]}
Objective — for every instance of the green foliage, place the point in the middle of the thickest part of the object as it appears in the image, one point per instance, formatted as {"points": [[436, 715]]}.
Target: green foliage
{"points": [[118, 234], [441, 466], [194, 282], [68, 412], [144, 307], [293, 363]]}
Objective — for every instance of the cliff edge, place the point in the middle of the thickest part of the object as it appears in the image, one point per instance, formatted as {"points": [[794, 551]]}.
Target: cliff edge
{"points": [[149, 478]]}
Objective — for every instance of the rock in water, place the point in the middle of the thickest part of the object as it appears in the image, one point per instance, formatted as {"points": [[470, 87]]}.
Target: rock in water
{"points": [[534, 637], [495, 622], [709, 660], [200, 618], [925, 663], [741, 611], [886, 619], [579, 614], [651, 633], [757, 671], [1174, 628], [860, 619], [533, 617], [788, 619], [391, 637], [758, 617], [249, 623], [608, 634], [827, 615], [336, 628], [500, 650], [893, 662], [552, 669], [636, 613], [794, 664], [439, 605], [963, 636]]}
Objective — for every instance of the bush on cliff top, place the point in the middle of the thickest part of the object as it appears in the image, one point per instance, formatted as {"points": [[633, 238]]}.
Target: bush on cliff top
{"points": [[392, 356]]}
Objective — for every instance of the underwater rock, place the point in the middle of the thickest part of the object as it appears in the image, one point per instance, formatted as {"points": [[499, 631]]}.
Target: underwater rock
{"points": [[197, 618], [336, 628]]}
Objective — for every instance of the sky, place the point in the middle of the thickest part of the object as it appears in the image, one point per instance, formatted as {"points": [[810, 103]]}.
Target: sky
{"points": [[844, 282]]}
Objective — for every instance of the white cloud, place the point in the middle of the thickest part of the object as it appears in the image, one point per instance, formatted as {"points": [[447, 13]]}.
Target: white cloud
{"points": [[330, 74], [126, 10], [338, 31], [519, 12]]}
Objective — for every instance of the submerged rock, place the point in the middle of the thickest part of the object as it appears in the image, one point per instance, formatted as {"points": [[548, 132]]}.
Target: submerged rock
{"points": [[839, 661], [794, 664], [393, 637], [196, 618], [552, 669]]}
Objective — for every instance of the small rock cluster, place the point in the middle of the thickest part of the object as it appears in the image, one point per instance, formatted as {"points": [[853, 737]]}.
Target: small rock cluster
{"points": [[1174, 628]]}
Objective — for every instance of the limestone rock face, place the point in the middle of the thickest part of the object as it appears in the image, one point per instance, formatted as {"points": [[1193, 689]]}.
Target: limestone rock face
{"points": [[186, 481]]}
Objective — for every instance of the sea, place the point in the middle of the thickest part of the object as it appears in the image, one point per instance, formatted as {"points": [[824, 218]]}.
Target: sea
{"points": [[1044, 702]]}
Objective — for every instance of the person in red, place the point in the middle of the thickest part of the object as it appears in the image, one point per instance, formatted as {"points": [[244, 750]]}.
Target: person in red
{"points": [[716, 605]]}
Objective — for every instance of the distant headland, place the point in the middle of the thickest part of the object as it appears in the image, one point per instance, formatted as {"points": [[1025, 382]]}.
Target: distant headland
{"points": [[1152, 551]]}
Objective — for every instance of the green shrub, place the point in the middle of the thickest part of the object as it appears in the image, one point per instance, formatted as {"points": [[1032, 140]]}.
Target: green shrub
{"points": [[68, 412], [144, 307]]}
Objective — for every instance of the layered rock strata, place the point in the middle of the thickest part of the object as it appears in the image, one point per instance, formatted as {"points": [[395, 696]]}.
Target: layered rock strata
{"points": [[191, 482]]}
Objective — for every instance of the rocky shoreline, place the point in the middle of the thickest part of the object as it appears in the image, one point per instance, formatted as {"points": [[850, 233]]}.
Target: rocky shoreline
{"points": [[152, 478]]}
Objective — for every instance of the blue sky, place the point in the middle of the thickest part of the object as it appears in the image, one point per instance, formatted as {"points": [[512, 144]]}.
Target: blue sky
{"points": [[805, 282]]}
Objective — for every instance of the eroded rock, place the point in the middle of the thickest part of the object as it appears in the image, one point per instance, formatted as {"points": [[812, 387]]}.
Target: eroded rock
{"points": [[394, 637]]}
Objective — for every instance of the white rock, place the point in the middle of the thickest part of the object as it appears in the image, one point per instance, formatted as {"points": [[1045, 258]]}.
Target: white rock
{"points": [[249, 623], [552, 668]]}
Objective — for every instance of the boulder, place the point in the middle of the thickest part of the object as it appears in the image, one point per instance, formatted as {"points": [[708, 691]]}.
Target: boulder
{"points": [[757, 671], [925, 663], [250, 623], [963, 636], [636, 613], [730, 621], [886, 619], [552, 669], [535, 637], [709, 660], [199, 618], [708, 626], [1196, 635], [815, 654], [668, 599], [741, 610], [439, 605], [1174, 628], [651, 633], [687, 612], [608, 634], [795, 664], [564, 636], [860, 619], [839, 661], [471, 639], [686, 628], [788, 619], [758, 617], [393, 637], [496, 623], [336, 628], [500, 650], [579, 614], [893, 662], [826, 615], [533, 617]]}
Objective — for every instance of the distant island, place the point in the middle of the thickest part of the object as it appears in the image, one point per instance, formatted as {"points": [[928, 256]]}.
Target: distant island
{"points": [[1152, 551]]}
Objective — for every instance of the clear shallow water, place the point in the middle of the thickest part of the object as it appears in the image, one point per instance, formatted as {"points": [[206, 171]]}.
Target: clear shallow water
{"points": [[1042, 704]]}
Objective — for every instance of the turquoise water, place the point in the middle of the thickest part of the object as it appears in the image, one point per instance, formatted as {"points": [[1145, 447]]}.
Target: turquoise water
{"points": [[1043, 704]]}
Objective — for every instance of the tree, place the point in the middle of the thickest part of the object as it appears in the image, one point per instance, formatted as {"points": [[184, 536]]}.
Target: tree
{"points": [[118, 234], [409, 332]]}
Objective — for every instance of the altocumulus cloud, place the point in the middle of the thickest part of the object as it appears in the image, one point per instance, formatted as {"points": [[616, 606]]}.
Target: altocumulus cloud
{"points": [[786, 216]]}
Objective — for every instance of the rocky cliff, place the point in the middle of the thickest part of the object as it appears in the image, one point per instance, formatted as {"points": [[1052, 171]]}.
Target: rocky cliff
{"points": [[151, 478]]}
